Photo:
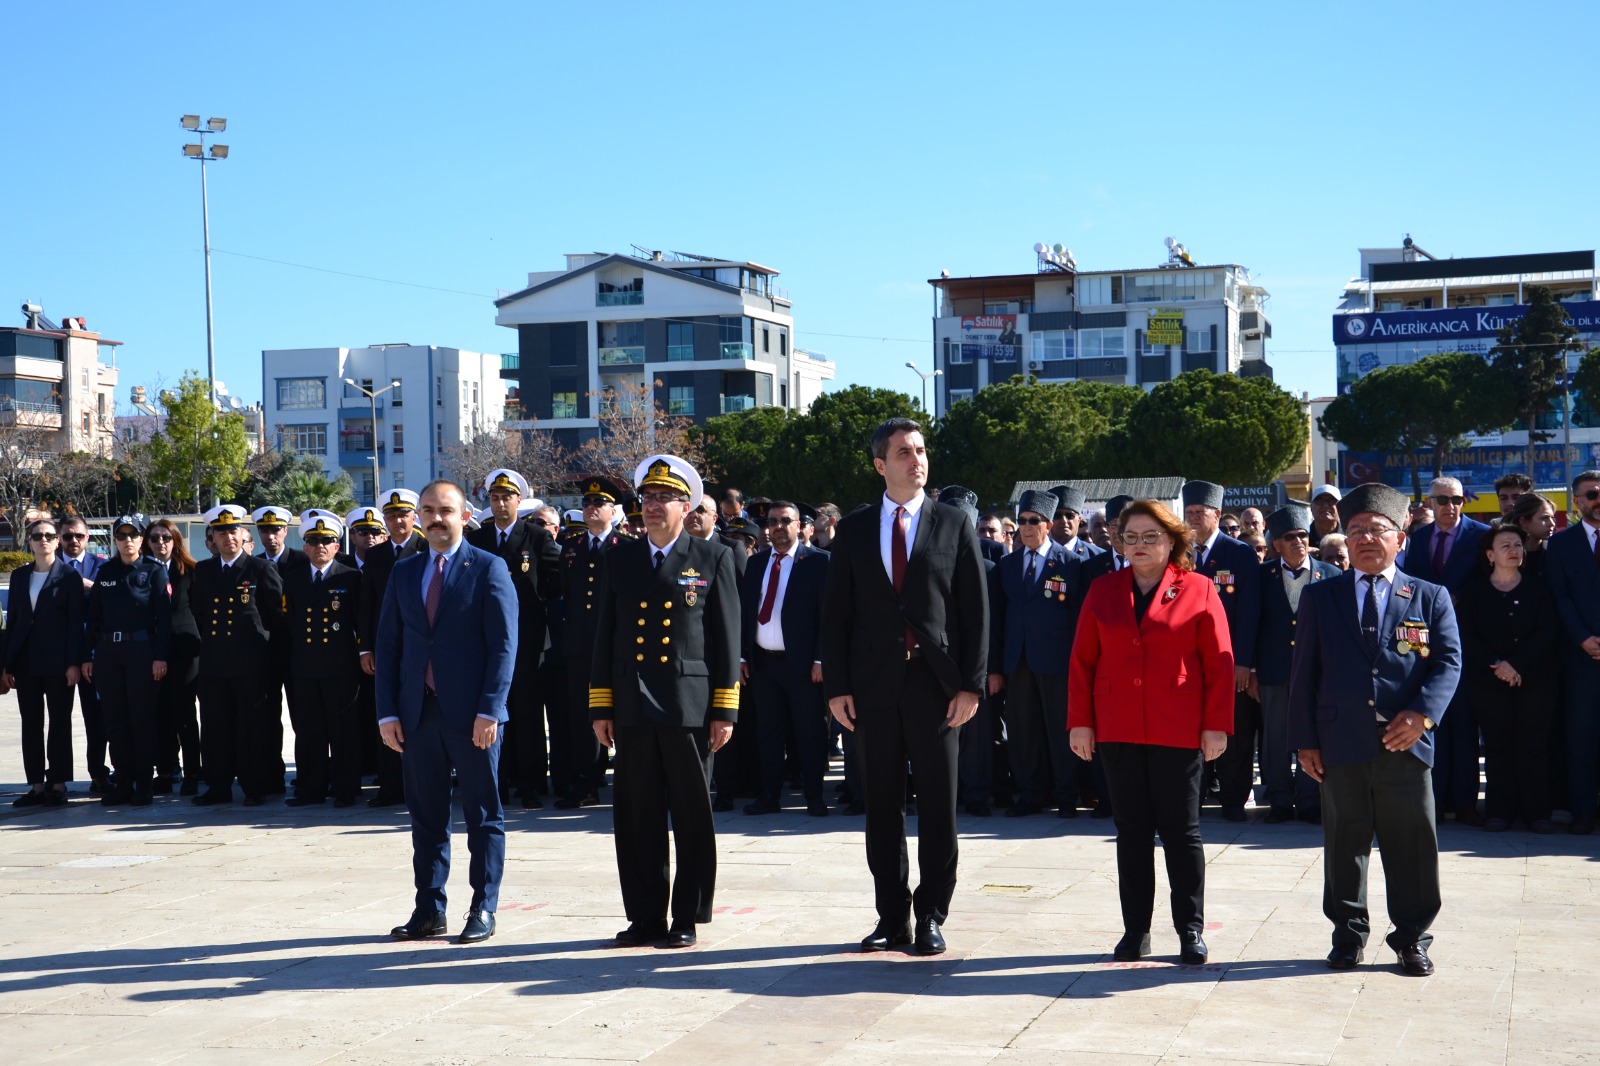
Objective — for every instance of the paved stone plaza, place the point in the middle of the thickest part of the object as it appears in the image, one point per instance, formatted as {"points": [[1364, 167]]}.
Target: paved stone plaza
{"points": [[235, 935]]}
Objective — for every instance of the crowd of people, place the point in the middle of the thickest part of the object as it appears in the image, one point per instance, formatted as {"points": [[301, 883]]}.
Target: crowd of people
{"points": [[1130, 661]]}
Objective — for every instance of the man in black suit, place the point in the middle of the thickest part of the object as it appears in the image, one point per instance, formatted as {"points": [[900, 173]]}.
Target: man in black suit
{"points": [[272, 529], [903, 664], [321, 601], [1572, 566], [534, 561], [781, 619], [237, 600], [1110, 560], [400, 519], [664, 692]]}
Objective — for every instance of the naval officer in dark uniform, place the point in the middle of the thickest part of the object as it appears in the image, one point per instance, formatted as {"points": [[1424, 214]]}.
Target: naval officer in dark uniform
{"points": [[272, 529], [237, 601], [664, 692]]}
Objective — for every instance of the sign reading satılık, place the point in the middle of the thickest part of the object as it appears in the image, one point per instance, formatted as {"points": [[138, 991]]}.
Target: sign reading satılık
{"points": [[1165, 326]]}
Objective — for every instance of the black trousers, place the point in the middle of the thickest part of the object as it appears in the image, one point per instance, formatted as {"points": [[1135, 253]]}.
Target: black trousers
{"points": [[95, 741], [1157, 790], [129, 698], [1516, 744], [177, 723], [913, 728], [277, 683], [1392, 797], [1042, 763], [979, 748], [588, 758], [788, 706], [327, 736], [1456, 747], [553, 701], [1236, 766], [238, 720], [35, 697], [524, 758], [664, 771], [738, 766]]}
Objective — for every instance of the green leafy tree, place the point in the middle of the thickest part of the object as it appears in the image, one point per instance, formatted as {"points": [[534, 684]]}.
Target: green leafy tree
{"points": [[739, 448], [1026, 431], [1586, 384], [1431, 403], [1216, 427], [78, 483], [197, 448], [826, 453], [1532, 356]]}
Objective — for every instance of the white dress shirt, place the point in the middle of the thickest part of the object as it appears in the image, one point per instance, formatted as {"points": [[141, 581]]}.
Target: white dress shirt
{"points": [[769, 636], [886, 527]]}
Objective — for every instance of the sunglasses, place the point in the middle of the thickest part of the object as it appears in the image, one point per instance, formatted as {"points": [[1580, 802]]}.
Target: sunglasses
{"points": [[74, 536], [159, 537], [1449, 501], [119, 535], [1592, 494], [321, 541], [1034, 520], [36, 537], [775, 521], [596, 501]]}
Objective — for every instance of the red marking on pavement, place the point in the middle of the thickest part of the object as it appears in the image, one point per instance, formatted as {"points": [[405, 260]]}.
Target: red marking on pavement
{"points": [[523, 906]]}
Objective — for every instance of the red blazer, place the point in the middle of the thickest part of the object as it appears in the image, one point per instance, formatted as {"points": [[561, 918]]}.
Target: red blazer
{"points": [[1161, 682]]}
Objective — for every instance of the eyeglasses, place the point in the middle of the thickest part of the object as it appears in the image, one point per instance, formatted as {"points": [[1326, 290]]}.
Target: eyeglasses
{"points": [[660, 498], [159, 537], [774, 520], [74, 536], [1592, 494], [1375, 532], [321, 541], [366, 532], [119, 535], [1229, 530], [1152, 537], [595, 501], [36, 537], [1296, 534], [1070, 516], [1449, 501], [1033, 520]]}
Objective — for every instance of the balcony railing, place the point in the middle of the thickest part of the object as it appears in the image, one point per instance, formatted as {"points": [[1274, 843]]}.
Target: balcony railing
{"points": [[680, 353], [618, 299], [737, 350], [7, 403], [731, 404], [512, 412], [511, 361], [627, 356]]}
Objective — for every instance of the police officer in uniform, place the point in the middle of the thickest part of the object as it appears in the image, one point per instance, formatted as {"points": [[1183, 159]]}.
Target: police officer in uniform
{"points": [[400, 519], [322, 601], [579, 776], [130, 628], [272, 529], [237, 602], [534, 561], [664, 691]]}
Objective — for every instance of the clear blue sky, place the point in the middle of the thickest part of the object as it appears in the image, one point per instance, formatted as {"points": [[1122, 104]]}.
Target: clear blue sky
{"points": [[858, 148]]}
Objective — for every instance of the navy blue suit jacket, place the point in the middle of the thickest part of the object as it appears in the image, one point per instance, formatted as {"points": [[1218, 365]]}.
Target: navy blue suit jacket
{"points": [[1235, 569], [1030, 620], [472, 643], [1337, 688], [1275, 635], [51, 634], [1458, 565], [802, 607], [1574, 579], [1081, 549]]}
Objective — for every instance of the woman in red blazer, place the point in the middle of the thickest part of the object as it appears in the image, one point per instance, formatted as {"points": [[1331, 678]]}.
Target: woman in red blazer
{"points": [[1151, 688]]}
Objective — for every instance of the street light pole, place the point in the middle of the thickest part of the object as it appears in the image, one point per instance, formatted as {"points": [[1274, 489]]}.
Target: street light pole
{"points": [[198, 151], [394, 383], [924, 377]]}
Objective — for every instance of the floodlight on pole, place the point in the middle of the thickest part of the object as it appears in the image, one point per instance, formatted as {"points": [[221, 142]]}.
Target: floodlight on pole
{"points": [[189, 122]]}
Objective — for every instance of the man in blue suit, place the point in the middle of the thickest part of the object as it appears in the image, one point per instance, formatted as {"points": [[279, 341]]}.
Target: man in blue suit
{"points": [[1445, 552], [445, 649], [1036, 593], [85, 564], [1377, 656], [1284, 581], [781, 620], [1572, 566], [1236, 570], [1067, 525]]}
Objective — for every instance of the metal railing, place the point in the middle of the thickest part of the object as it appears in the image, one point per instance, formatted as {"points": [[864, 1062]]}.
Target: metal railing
{"points": [[738, 350], [618, 299], [624, 356], [680, 353], [730, 404]]}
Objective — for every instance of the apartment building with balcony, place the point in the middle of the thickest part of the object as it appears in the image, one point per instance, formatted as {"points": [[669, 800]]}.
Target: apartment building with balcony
{"points": [[704, 336], [1138, 326], [445, 396], [58, 386]]}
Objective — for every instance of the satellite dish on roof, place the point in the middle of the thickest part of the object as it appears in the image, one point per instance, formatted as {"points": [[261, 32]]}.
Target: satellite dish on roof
{"points": [[1039, 247]]}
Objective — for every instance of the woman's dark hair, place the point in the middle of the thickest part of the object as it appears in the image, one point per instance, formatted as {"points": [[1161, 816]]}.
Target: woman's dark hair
{"points": [[1173, 526], [43, 520], [180, 551], [1486, 545], [1528, 505]]}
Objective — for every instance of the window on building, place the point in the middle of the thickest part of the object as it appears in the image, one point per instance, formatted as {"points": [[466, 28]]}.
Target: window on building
{"points": [[783, 394], [952, 351], [311, 439], [783, 342], [735, 334], [680, 342], [766, 339], [438, 392], [1197, 340], [1099, 291], [399, 438], [398, 474], [302, 393], [395, 400], [564, 400], [680, 400], [353, 392], [957, 395], [1102, 343], [86, 421], [997, 307], [1052, 344], [438, 437], [474, 394]]}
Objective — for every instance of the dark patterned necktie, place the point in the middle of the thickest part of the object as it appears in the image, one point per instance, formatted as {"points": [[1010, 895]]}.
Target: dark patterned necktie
{"points": [[1369, 614], [1027, 576]]}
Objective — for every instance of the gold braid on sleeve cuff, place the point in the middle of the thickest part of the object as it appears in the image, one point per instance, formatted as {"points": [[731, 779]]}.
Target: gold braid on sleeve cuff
{"points": [[600, 699], [722, 699]]}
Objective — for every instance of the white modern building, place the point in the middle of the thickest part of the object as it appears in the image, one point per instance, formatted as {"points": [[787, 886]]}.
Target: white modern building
{"points": [[1139, 326], [58, 382], [444, 396], [705, 336]]}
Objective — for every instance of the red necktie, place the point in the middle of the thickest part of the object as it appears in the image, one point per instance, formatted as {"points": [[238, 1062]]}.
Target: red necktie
{"points": [[897, 563], [431, 607], [772, 592]]}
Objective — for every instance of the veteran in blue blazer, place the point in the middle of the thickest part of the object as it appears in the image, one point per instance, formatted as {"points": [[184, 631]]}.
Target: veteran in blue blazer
{"points": [[445, 649], [1067, 528], [1377, 657], [1445, 552]]}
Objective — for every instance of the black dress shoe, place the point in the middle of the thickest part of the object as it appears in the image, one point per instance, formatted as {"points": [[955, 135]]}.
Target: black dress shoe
{"points": [[760, 808], [479, 927], [161, 786], [1132, 947], [31, 799], [1233, 814], [722, 804], [142, 795], [344, 801], [817, 809], [532, 802], [1067, 810], [1344, 957], [639, 934], [1582, 825], [1414, 960], [1279, 815], [856, 808], [1101, 811], [385, 799], [253, 801], [422, 924], [979, 810], [190, 786], [679, 936], [55, 797], [929, 940], [299, 801], [1022, 810], [1192, 949], [212, 797], [117, 797], [887, 936]]}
